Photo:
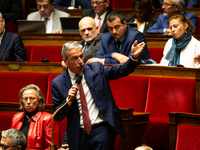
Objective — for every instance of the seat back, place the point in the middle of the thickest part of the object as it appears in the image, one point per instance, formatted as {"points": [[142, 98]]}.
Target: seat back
{"points": [[11, 83], [170, 94], [52, 53], [198, 27], [130, 92], [6, 120], [28, 52], [188, 137], [49, 97], [156, 54]]}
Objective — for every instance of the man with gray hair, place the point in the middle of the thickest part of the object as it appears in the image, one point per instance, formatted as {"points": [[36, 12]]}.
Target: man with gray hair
{"points": [[171, 7], [12, 138]]}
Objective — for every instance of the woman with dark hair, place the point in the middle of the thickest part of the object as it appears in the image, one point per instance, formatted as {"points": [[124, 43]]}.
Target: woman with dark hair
{"points": [[183, 47], [34, 122], [143, 15]]}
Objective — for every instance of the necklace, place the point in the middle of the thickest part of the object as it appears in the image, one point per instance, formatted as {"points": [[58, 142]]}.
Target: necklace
{"points": [[28, 118]]}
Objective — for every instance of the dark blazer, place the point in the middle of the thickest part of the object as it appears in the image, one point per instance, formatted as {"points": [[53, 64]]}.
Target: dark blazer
{"points": [[91, 13], [92, 49], [131, 19], [11, 9], [109, 46], [66, 3], [163, 23], [97, 77], [12, 48]]}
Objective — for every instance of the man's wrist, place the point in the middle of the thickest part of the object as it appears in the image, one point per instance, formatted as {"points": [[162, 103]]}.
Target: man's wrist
{"points": [[133, 57]]}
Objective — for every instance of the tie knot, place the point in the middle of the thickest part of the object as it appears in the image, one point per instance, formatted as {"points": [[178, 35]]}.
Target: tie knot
{"points": [[99, 18]]}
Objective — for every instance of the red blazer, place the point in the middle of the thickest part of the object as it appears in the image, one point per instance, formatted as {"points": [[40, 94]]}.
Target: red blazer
{"points": [[39, 134]]}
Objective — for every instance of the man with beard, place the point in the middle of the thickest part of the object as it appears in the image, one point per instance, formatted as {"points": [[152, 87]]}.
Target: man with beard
{"points": [[115, 45]]}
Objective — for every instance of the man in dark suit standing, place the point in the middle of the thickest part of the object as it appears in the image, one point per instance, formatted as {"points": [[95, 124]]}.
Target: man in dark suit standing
{"points": [[11, 46], [115, 45], [94, 94], [99, 12]]}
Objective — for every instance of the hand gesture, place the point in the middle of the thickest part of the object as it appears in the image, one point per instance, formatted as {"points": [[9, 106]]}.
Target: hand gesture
{"points": [[136, 49], [197, 59]]}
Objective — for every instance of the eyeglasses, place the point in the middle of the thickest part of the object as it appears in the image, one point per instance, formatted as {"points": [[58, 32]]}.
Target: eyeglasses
{"points": [[167, 5], [44, 6], [4, 147], [98, 2], [25, 99]]}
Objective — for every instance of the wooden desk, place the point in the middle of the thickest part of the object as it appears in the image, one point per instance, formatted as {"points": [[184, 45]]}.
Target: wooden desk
{"points": [[39, 39]]}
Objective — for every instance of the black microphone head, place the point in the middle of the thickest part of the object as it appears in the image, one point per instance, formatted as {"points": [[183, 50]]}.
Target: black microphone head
{"points": [[78, 79]]}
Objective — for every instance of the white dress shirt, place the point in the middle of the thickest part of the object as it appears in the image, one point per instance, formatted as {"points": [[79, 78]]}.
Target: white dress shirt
{"points": [[96, 19], [95, 116], [49, 23]]}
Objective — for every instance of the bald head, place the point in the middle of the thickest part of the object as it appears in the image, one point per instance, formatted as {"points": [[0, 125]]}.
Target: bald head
{"points": [[87, 29]]}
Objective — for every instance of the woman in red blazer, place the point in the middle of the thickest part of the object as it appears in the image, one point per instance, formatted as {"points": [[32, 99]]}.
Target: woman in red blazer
{"points": [[33, 121]]}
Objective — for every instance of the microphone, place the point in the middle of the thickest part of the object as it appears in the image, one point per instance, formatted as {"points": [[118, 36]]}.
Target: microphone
{"points": [[77, 82]]}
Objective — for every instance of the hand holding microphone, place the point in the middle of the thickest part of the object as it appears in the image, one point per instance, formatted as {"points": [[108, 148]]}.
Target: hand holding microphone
{"points": [[74, 89]]}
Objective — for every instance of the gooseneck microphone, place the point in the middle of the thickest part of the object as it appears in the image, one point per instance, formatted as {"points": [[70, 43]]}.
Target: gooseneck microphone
{"points": [[77, 82]]}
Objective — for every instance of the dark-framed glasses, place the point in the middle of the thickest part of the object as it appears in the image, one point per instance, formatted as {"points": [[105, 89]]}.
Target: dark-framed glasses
{"points": [[25, 99], [167, 5], [98, 2], [4, 147]]}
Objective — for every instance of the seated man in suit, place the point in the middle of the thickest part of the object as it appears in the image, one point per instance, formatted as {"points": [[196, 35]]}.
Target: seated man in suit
{"points": [[51, 16], [11, 45], [171, 7], [91, 40], [12, 139], [64, 4], [99, 12], [93, 118], [115, 45]]}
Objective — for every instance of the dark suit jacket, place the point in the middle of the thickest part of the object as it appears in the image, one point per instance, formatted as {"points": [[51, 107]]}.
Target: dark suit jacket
{"points": [[66, 3], [92, 49], [109, 46], [11, 9], [163, 23], [91, 13], [97, 77], [12, 48]]}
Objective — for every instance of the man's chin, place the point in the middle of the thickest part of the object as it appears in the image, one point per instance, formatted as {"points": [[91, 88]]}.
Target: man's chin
{"points": [[165, 13]]}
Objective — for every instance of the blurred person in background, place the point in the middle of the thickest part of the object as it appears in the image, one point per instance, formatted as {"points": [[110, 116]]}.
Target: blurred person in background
{"points": [[171, 7], [50, 15], [11, 45], [183, 47], [12, 139], [143, 15]]}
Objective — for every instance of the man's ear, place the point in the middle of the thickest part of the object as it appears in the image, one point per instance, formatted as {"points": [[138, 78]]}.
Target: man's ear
{"points": [[177, 8]]}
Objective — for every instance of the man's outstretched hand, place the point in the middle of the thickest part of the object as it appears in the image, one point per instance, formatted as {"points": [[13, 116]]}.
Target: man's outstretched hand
{"points": [[136, 49]]}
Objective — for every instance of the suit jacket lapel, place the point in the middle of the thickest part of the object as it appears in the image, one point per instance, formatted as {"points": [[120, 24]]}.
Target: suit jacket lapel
{"points": [[67, 80], [88, 77], [4, 44]]}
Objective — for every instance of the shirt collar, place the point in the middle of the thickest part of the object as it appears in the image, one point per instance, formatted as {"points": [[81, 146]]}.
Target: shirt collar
{"points": [[50, 17], [73, 75], [122, 39]]}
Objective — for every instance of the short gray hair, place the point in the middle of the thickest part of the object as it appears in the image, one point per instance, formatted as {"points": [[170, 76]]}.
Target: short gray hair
{"points": [[17, 137], [40, 96], [181, 4], [69, 45]]}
